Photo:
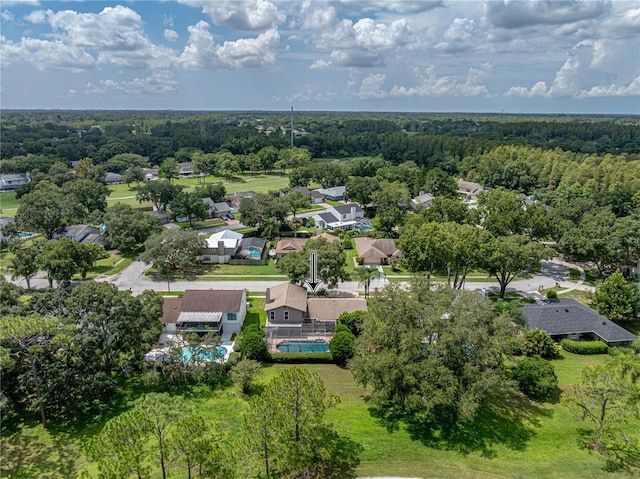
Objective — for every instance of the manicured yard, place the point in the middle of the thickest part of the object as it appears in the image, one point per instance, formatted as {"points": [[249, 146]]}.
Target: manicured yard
{"points": [[127, 194], [539, 442]]}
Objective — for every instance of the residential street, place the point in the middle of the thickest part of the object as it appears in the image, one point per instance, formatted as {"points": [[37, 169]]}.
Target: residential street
{"points": [[133, 278]]}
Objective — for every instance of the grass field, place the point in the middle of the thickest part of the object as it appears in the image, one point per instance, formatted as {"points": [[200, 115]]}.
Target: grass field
{"points": [[541, 441], [127, 194]]}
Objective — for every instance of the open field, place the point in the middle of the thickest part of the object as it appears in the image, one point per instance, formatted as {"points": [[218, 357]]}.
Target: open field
{"points": [[127, 194], [539, 442]]}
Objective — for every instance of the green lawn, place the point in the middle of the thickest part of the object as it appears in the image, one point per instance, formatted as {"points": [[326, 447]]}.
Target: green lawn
{"points": [[539, 442], [127, 194], [8, 204]]}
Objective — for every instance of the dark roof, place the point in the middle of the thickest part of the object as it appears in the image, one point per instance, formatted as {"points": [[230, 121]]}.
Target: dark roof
{"points": [[343, 209], [170, 310], [568, 316], [316, 194], [225, 301], [328, 217], [253, 242]]}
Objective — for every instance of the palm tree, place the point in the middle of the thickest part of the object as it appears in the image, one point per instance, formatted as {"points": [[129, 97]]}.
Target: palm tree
{"points": [[365, 275]]}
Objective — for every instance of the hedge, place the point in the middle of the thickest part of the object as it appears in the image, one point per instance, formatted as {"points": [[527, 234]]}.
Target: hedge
{"points": [[300, 358], [584, 347]]}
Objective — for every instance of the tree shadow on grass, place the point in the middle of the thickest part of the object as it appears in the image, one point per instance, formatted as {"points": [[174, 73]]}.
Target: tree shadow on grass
{"points": [[29, 453], [509, 423]]}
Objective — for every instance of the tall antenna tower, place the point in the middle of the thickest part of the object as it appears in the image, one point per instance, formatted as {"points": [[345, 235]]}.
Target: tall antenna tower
{"points": [[292, 126]]}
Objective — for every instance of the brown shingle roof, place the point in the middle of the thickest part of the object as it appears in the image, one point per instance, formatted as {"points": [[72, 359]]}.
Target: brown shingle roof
{"points": [[328, 309], [286, 294], [225, 301], [170, 310], [285, 246], [329, 237], [376, 248]]}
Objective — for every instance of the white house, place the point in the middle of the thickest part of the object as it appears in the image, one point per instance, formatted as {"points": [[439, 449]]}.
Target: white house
{"points": [[202, 311], [422, 200], [344, 216], [220, 246], [10, 182]]}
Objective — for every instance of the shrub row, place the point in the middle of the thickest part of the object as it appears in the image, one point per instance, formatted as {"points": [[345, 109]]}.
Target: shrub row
{"points": [[584, 347], [299, 358]]}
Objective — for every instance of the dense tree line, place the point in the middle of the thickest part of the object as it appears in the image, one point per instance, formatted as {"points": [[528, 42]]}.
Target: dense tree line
{"points": [[63, 352]]}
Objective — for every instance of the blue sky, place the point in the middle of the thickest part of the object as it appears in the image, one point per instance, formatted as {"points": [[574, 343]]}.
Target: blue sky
{"points": [[516, 56]]}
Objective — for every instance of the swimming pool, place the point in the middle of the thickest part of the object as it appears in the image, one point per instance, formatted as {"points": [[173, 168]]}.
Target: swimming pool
{"points": [[316, 346], [365, 228], [189, 353], [23, 234], [254, 253]]}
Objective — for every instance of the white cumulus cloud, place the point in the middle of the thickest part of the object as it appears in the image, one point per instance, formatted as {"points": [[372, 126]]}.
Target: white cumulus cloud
{"points": [[371, 87], [432, 85], [170, 35], [510, 14], [201, 51], [245, 15], [157, 82]]}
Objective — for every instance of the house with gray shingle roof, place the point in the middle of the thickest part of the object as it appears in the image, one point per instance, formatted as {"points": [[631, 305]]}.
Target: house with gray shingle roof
{"points": [[568, 318], [335, 193], [343, 216], [11, 181]]}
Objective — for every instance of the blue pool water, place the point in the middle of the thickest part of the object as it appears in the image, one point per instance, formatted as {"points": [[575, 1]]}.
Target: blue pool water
{"points": [[318, 346], [206, 354], [254, 253], [364, 229], [25, 235]]}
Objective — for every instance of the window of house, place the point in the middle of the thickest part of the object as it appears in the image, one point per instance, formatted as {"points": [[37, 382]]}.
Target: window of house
{"points": [[286, 315], [272, 315], [232, 317]]}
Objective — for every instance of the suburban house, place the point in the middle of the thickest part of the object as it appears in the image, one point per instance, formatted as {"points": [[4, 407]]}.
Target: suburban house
{"points": [[423, 200], [343, 216], [185, 170], [290, 245], [287, 305], [568, 318], [335, 193], [163, 216], [469, 189], [82, 234], [216, 210], [220, 247], [376, 251], [150, 174], [314, 195], [234, 198], [112, 178], [205, 311], [11, 181]]}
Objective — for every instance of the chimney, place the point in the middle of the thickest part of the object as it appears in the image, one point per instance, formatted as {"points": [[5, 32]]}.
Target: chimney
{"points": [[353, 212]]}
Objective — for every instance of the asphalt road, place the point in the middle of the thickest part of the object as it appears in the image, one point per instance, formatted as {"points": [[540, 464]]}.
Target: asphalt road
{"points": [[133, 278]]}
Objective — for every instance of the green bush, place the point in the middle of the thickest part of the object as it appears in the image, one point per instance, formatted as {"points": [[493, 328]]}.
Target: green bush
{"points": [[584, 347], [352, 320], [341, 346], [536, 377], [234, 357], [252, 346], [244, 375], [635, 345], [538, 343], [302, 358], [552, 294]]}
